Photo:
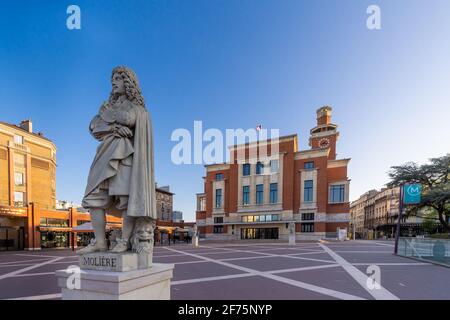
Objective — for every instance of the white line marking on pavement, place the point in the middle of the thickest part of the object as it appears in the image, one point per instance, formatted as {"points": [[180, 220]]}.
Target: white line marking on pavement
{"points": [[361, 278], [17, 265], [32, 274], [166, 256], [243, 275], [189, 262], [290, 255], [7, 275], [350, 251], [35, 255], [41, 297], [244, 258], [231, 276], [22, 261], [304, 268], [303, 285], [304, 253]]}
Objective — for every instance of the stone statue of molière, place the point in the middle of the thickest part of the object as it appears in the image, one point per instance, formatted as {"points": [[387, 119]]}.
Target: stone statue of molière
{"points": [[121, 177], [121, 182]]}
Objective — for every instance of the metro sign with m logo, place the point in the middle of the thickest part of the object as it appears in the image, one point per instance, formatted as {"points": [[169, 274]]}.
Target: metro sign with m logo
{"points": [[412, 193]]}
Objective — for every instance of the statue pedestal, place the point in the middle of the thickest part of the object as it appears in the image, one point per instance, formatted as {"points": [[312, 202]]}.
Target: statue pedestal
{"points": [[115, 262], [144, 284], [292, 239], [195, 241]]}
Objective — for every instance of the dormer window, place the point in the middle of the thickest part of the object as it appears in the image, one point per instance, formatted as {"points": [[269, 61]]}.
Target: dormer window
{"points": [[18, 139]]}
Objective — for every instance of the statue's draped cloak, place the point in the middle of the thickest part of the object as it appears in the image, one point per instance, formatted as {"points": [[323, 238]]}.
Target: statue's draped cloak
{"points": [[116, 151]]}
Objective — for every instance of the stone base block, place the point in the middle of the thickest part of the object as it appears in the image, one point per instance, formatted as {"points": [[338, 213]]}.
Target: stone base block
{"points": [[115, 262], [292, 239], [195, 241], [146, 284]]}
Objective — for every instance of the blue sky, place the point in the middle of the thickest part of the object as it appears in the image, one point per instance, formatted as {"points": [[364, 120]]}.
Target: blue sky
{"points": [[234, 64]]}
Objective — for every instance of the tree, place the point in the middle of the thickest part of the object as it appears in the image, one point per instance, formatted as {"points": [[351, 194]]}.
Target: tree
{"points": [[430, 221], [435, 179]]}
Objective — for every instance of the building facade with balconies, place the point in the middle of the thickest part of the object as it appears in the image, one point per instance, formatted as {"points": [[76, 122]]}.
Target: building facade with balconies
{"points": [[375, 214], [257, 195]]}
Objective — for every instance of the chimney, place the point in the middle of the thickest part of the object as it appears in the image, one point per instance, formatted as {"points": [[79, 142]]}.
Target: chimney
{"points": [[324, 115], [27, 125]]}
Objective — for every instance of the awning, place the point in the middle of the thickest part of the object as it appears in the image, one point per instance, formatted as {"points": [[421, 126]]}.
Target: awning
{"points": [[55, 229], [169, 229], [87, 227]]}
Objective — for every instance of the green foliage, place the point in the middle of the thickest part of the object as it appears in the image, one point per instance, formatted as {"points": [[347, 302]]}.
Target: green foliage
{"points": [[430, 221], [435, 179]]}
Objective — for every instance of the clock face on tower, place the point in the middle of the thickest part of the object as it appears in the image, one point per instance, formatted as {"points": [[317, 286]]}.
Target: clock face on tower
{"points": [[324, 143]]}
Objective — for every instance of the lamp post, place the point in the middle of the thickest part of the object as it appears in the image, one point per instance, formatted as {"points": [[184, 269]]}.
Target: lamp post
{"points": [[400, 210]]}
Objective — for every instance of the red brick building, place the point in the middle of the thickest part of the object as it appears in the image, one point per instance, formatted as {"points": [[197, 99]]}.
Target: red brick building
{"points": [[257, 196]]}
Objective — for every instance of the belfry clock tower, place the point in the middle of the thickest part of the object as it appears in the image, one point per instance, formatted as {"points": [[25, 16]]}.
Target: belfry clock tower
{"points": [[324, 134]]}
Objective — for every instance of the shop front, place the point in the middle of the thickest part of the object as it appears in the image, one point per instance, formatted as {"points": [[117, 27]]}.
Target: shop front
{"points": [[12, 228], [55, 233], [259, 233], [11, 238]]}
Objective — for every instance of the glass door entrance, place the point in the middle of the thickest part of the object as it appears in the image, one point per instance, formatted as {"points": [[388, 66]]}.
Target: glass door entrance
{"points": [[259, 233], [11, 238]]}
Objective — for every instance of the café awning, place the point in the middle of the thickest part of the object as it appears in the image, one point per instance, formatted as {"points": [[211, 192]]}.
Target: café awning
{"points": [[87, 227], [55, 229]]}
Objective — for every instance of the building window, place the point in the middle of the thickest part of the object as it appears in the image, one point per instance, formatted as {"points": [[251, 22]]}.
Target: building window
{"points": [[218, 198], [246, 195], [18, 139], [246, 169], [261, 218], [219, 176], [274, 165], [308, 216], [19, 160], [259, 194], [19, 199], [337, 193], [307, 227], [308, 191], [273, 192], [201, 205], [50, 222], [259, 168], [18, 179], [218, 229], [218, 219], [309, 165]]}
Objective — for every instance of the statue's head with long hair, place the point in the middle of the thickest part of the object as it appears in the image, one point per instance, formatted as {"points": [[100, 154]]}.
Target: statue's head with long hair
{"points": [[130, 83]]}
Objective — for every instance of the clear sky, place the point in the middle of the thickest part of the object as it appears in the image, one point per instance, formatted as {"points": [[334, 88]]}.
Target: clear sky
{"points": [[234, 64]]}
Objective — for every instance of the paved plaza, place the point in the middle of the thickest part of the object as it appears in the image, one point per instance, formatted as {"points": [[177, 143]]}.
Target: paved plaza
{"points": [[308, 270]]}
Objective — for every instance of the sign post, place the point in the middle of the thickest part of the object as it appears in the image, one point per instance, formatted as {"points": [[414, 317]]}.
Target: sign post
{"points": [[409, 194]]}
